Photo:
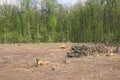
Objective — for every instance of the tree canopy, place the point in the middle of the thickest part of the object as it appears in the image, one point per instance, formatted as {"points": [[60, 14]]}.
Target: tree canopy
{"points": [[49, 21]]}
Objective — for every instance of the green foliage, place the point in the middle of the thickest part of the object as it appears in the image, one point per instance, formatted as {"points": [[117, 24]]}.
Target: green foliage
{"points": [[95, 21]]}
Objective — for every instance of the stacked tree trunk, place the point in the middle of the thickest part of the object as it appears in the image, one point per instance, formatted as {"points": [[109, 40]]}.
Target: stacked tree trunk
{"points": [[85, 50], [117, 50]]}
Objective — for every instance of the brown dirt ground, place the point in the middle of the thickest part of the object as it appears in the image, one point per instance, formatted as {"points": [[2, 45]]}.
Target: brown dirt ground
{"points": [[13, 59]]}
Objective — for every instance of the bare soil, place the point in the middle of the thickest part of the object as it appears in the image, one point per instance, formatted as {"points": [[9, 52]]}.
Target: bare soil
{"points": [[14, 60]]}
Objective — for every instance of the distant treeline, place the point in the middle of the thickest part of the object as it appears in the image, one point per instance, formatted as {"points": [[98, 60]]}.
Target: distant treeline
{"points": [[49, 21]]}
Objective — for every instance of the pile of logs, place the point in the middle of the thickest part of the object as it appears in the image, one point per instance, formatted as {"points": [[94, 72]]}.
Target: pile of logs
{"points": [[85, 50]]}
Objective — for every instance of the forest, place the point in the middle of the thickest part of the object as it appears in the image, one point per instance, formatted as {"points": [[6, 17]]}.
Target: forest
{"points": [[50, 21]]}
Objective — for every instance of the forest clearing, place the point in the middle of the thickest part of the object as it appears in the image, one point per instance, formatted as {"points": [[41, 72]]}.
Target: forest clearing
{"points": [[18, 62], [59, 39]]}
